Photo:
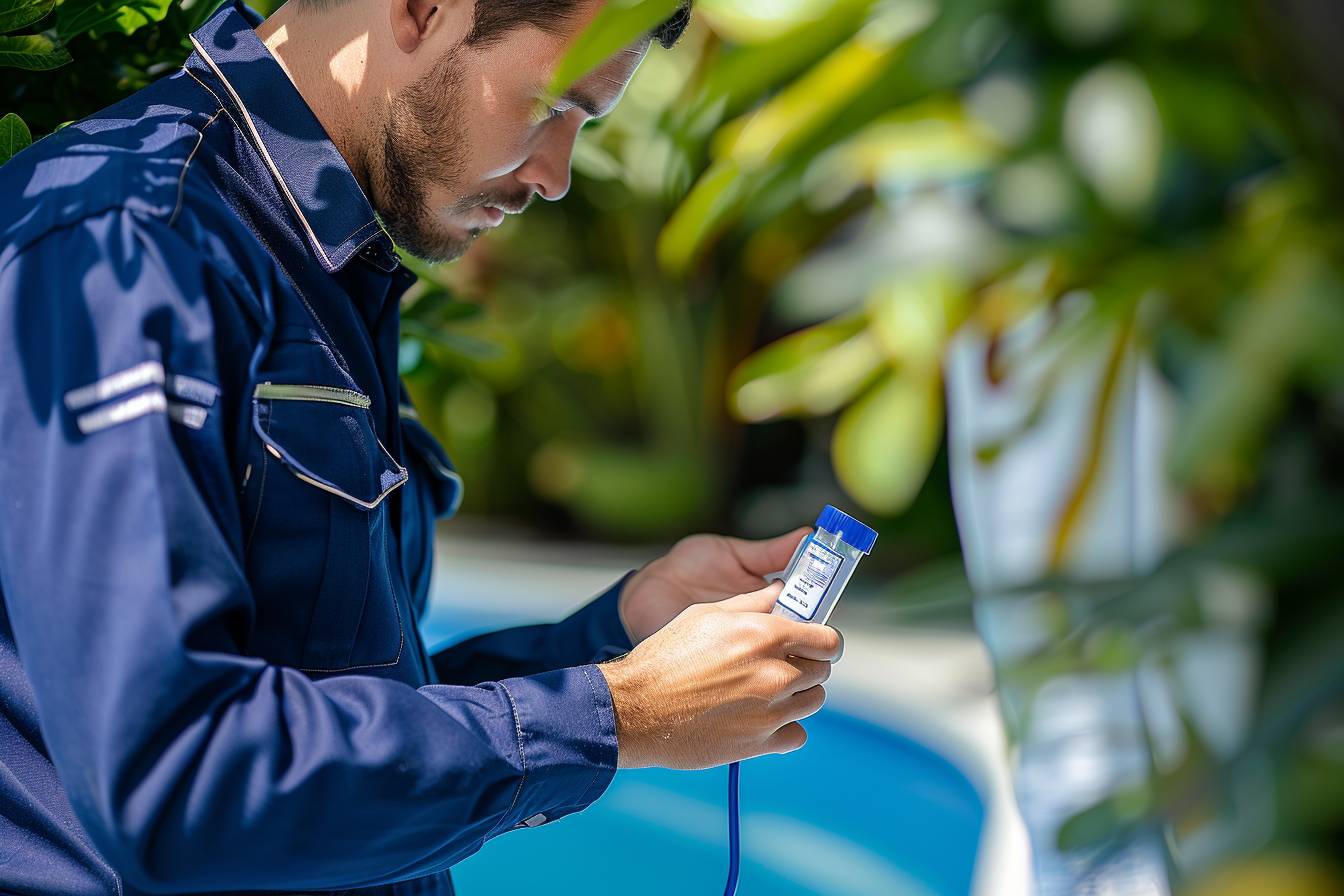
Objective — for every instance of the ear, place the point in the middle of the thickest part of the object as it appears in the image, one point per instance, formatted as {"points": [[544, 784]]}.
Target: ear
{"points": [[411, 21]]}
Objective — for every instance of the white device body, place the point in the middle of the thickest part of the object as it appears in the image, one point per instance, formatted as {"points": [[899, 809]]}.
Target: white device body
{"points": [[816, 577]]}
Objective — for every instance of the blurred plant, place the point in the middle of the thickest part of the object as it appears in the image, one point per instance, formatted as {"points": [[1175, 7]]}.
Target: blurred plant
{"points": [[1139, 202], [1133, 183], [1124, 215]]}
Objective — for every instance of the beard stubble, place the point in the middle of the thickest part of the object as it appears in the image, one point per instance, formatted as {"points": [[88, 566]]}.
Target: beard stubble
{"points": [[423, 140]]}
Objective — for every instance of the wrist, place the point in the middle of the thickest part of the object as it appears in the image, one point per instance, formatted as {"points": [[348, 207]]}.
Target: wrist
{"points": [[628, 712]]}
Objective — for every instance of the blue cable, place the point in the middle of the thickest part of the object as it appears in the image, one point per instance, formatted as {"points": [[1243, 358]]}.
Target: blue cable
{"points": [[734, 848]]}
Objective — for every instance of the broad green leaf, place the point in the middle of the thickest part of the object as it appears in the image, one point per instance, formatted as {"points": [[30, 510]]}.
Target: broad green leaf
{"points": [[914, 315], [703, 213], [885, 442], [739, 76], [814, 371], [806, 105], [921, 142], [195, 12], [754, 23], [99, 17], [762, 157], [14, 14], [14, 136], [34, 52], [78, 16], [617, 25]]}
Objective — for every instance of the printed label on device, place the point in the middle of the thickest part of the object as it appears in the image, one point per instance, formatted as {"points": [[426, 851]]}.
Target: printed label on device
{"points": [[811, 578]]}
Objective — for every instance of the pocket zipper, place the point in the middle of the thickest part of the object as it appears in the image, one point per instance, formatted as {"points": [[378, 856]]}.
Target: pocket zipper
{"points": [[312, 393]]}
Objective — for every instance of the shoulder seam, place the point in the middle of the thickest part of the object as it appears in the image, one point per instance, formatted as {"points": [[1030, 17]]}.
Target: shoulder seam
{"points": [[182, 177], [69, 220]]}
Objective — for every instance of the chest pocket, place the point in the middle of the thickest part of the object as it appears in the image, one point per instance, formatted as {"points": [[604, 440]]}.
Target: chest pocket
{"points": [[316, 519]]}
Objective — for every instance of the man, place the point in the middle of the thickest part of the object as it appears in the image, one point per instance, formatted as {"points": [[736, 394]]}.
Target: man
{"points": [[218, 504]]}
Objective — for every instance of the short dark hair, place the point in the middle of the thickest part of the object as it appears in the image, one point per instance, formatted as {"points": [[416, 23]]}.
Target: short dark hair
{"points": [[670, 31], [495, 18]]}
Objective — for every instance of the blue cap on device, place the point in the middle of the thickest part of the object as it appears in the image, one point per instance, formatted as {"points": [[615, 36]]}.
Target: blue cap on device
{"points": [[851, 531]]}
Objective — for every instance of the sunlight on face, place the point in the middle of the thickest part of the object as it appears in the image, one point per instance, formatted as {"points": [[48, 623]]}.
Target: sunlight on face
{"points": [[476, 138], [346, 64]]}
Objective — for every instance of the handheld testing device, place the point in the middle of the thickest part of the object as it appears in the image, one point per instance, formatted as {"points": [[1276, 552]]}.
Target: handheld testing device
{"points": [[813, 581]]}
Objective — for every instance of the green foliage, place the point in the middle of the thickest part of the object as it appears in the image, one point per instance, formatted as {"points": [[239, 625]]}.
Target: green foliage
{"points": [[816, 370], [19, 13], [617, 24], [14, 136], [1134, 179], [96, 17], [87, 54], [889, 471], [748, 297], [35, 52]]}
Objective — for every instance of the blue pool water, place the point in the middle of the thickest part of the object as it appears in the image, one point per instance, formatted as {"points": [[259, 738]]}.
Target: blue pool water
{"points": [[861, 809]]}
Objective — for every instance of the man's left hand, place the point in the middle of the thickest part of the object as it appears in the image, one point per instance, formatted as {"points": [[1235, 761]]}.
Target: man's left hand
{"points": [[700, 569]]}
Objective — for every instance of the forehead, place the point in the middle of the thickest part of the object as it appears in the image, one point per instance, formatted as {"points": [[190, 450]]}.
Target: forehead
{"points": [[600, 89], [530, 54]]}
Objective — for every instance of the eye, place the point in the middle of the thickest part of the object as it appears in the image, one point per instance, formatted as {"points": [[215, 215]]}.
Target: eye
{"points": [[543, 111]]}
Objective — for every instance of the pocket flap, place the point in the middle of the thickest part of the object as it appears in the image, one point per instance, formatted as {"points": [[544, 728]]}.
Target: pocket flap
{"points": [[325, 437]]}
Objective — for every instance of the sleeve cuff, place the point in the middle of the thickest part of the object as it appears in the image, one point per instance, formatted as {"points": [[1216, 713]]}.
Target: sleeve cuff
{"points": [[597, 625], [566, 730]]}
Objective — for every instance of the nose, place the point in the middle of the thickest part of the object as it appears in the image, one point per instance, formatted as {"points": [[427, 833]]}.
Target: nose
{"points": [[546, 169]]}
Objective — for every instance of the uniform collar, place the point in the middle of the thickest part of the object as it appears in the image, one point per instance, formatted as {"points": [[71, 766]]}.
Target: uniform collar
{"points": [[313, 177]]}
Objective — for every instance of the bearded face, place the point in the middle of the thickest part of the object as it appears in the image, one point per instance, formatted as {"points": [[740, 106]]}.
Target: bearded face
{"points": [[475, 138]]}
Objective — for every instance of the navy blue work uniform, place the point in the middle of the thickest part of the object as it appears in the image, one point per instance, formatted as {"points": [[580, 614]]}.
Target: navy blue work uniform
{"points": [[216, 513]]}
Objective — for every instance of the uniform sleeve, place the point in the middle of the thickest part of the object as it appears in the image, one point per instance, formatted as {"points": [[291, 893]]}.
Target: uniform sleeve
{"points": [[191, 766], [590, 634]]}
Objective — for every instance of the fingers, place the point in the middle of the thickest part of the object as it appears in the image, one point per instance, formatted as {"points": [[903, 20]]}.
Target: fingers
{"points": [[787, 739], [761, 600], [769, 554], [791, 736], [811, 641], [802, 704], [809, 673]]}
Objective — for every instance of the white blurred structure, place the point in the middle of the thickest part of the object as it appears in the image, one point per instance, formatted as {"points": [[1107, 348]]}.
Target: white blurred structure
{"points": [[1073, 485]]}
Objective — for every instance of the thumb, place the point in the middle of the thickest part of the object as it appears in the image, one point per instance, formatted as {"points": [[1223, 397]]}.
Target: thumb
{"points": [[769, 554], [761, 600]]}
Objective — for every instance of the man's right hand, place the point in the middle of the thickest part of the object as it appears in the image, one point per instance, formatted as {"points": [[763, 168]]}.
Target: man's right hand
{"points": [[721, 682]]}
